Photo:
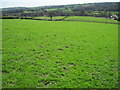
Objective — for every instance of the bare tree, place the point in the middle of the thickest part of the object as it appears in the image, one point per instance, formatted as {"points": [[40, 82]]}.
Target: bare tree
{"points": [[51, 14], [44, 11]]}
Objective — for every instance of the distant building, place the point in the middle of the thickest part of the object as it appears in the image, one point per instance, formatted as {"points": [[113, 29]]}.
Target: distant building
{"points": [[115, 17]]}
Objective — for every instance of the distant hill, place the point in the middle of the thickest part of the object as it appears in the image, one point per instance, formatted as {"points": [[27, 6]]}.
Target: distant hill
{"points": [[74, 9], [111, 6]]}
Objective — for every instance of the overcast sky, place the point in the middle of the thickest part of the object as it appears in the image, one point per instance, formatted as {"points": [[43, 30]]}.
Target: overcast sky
{"points": [[35, 3]]}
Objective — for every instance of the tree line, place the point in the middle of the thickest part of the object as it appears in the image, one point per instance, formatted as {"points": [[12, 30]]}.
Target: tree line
{"points": [[91, 9]]}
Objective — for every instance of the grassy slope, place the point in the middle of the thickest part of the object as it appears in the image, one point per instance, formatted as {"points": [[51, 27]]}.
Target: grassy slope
{"points": [[83, 18], [59, 54], [90, 19], [54, 18]]}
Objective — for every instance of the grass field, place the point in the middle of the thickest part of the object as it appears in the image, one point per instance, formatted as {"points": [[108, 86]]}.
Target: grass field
{"points": [[87, 18], [51, 54], [79, 18], [53, 9], [47, 18]]}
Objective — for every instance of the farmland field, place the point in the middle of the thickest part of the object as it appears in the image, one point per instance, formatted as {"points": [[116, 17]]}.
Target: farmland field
{"points": [[54, 18], [81, 18], [90, 19], [59, 54]]}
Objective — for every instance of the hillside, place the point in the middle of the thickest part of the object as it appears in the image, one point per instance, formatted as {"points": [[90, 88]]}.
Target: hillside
{"points": [[88, 9]]}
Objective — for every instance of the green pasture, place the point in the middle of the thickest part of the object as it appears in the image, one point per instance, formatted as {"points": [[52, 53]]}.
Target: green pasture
{"points": [[59, 54], [114, 12], [52, 9], [87, 18], [48, 18], [80, 18], [42, 17], [27, 11]]}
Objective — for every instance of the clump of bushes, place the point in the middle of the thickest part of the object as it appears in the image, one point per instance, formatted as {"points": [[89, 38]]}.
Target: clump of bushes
{"points": [[26, 18], [9, 17], [13, 17]]}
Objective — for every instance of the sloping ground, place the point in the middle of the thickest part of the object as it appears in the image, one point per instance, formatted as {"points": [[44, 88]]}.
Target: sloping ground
{"points": [[71, 18], [48, 18], [50, 54], [79, 19], [92, 19]]}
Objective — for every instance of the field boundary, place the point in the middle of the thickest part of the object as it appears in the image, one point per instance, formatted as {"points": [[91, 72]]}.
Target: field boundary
{"points": [[78, 21], [71, 20]]}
